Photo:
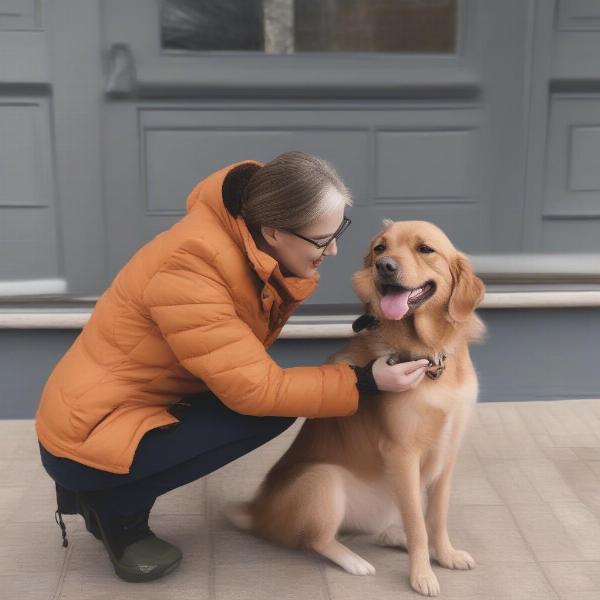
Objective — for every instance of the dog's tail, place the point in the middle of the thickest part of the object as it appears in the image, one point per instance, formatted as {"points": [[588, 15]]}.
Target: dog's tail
{"points": [[239, 514]]}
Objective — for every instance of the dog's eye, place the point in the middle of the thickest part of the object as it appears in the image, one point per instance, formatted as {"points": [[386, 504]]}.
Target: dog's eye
{"points": [[424, 249], [379, 248]]}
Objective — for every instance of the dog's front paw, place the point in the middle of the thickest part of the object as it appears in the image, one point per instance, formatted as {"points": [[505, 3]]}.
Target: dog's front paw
{"points": [[455, 559], [424, 581]]}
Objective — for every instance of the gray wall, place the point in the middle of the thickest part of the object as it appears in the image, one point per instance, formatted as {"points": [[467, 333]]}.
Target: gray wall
{"points": [[496, 143], [103, 134]]}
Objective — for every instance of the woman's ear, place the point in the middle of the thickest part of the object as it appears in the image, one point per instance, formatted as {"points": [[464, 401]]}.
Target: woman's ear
{"points": [[268, 234], [467, 289]]}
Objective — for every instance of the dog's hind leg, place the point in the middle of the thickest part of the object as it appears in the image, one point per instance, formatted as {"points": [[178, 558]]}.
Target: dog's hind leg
{"points": [[324, 489], [305, 509], [343, 556], [328, 546]]}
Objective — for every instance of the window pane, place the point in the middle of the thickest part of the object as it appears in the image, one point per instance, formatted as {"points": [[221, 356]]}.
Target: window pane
{"points": [[375, 25], [286, 26], [212, 25]]}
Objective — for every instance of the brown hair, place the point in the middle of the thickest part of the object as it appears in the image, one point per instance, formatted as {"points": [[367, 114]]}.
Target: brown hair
{"points": [[288, 192]]}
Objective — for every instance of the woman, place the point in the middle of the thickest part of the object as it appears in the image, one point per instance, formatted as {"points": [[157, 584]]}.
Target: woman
{"points": [[170, 379]]}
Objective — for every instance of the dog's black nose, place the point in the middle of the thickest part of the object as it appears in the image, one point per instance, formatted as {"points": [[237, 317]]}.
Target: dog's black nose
{"points": [[386, 266]]}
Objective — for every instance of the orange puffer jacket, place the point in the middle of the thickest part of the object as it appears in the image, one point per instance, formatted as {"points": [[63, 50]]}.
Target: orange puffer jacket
{"points": [[193, 309]]}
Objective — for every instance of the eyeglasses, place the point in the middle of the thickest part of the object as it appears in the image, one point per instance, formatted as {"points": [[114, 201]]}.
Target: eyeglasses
{"points": [[345, 224]]}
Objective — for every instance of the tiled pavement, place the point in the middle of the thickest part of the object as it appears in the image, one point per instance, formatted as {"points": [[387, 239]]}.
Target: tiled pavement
{"points": [[525, 504]]}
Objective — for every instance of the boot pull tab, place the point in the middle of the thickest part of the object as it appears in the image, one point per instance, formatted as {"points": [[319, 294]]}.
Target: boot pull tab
{"points": [[60, 523]]}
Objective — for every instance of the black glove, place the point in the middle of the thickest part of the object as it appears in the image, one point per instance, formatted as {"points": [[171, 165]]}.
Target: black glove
{"points": [[365, 380]]}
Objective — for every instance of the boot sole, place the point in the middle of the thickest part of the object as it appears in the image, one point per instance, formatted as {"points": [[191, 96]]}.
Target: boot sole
{"points": [[136, 577]]}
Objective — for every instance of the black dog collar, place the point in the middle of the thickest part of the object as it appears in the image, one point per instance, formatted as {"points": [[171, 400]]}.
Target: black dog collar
{"points": [[365, 321]]}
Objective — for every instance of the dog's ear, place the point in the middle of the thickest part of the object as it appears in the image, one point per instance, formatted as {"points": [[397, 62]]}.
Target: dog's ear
{"points": [[467, 289]]}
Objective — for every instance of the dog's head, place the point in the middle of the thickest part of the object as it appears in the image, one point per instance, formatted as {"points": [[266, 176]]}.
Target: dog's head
{"points": [[411, 267]]}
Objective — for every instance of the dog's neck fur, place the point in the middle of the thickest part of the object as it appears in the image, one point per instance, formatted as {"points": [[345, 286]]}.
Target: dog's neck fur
{"points": [[420, 335]]}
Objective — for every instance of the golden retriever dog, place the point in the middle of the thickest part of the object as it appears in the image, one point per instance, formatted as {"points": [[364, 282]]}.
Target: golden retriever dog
{"points": [[366, 472]]}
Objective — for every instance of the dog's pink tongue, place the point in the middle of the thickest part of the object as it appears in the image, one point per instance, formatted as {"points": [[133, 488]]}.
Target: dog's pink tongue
{"points": [[395, 305]]}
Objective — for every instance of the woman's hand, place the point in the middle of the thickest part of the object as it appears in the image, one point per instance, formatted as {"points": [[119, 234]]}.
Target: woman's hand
{"points": [[399, 377]]}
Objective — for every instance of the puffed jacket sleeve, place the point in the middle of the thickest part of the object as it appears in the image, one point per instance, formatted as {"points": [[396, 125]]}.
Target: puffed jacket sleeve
{"points": [[193, 308]]}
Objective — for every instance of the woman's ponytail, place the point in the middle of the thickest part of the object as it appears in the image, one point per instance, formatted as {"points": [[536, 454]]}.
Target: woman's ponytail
{"points": [[234, 186]]}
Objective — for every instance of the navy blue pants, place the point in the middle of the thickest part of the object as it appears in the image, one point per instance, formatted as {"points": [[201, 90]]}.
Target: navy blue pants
{"points": [[208, 436]]}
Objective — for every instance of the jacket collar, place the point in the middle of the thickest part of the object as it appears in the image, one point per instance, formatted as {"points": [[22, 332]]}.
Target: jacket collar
{"points": [[208, 193]]}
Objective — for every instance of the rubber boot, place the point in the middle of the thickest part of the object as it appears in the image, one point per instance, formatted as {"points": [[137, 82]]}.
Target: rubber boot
{"points": [[136, 553]]}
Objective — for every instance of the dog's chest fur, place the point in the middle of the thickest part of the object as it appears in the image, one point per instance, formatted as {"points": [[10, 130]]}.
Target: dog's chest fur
{"points": [[440, 451], [371, 505], [430, 420]]}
